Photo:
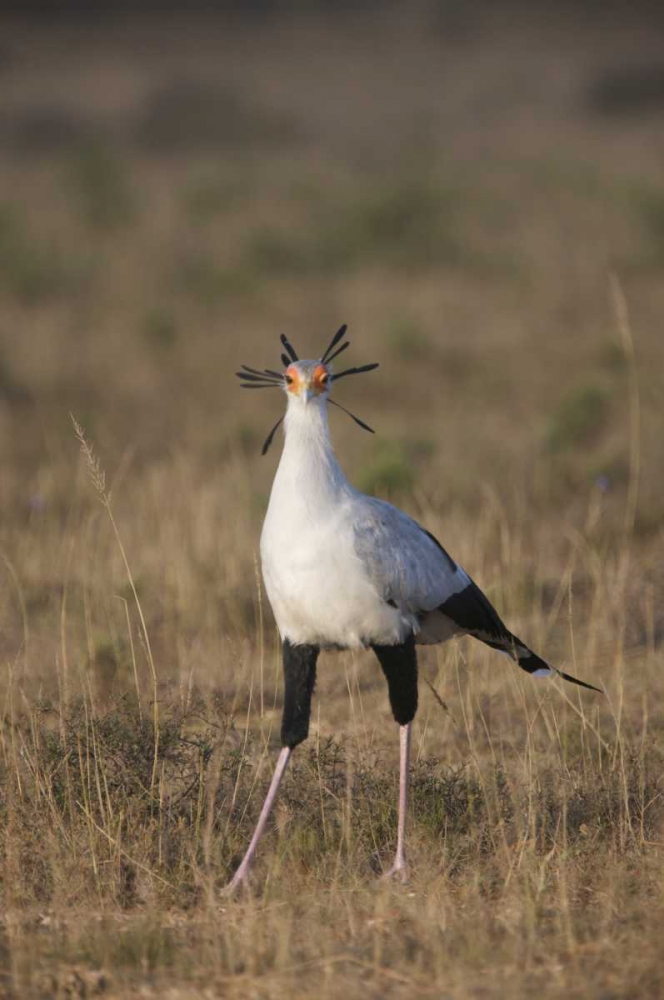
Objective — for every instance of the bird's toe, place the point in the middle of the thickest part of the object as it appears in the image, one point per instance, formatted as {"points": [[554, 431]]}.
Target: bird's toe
{"points": [[239, 884], [398, 872]]}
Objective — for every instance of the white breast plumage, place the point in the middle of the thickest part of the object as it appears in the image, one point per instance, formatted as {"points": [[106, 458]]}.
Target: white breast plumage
{"points": [[341, 568], [318, 585]]}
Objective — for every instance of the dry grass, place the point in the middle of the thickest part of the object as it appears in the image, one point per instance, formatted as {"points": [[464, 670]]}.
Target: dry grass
{"points": [[495, 244]]}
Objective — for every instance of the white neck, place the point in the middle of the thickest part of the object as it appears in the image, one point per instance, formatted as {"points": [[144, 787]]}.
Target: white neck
{"points": [[309, 478]]}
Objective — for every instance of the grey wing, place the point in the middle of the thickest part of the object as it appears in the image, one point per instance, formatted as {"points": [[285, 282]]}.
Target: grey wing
{"points": [[406, 564], [411, 570]]}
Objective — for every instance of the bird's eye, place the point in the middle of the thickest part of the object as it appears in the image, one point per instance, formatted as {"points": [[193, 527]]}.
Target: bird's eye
{"points": [[325, 379], [289, 379]]}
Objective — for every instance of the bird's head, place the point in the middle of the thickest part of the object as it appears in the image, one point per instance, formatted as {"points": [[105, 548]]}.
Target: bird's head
{"points": [[304, 381], [307, 380]]}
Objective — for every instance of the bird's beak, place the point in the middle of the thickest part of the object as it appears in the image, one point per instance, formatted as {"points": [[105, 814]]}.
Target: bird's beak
{"points": [[307, 394]]}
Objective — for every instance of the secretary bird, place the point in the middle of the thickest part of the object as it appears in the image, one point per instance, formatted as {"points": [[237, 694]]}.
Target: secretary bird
{"points": [[347, 571]]}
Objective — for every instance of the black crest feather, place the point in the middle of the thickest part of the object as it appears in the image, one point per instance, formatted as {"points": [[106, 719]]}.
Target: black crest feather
{"points": [[268, 378], [341, 332], [290, 350]]}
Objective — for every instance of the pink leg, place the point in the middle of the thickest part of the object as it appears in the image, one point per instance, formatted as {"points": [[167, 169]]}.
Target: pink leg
{"points": [[399, 866], [241, 876]]}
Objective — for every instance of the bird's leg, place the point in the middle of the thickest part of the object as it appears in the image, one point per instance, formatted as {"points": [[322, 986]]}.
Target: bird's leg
{"points": [[242, 874], [399, 665], [299, 678], [399, 866]]}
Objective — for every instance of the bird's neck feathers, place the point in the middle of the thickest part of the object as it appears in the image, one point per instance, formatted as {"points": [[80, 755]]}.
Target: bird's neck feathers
{"points": [[306, 425], [308, 465]]}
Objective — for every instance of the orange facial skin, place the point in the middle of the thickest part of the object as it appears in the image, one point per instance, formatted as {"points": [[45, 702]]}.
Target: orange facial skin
{"points": [[318, 381], [292, 376]]}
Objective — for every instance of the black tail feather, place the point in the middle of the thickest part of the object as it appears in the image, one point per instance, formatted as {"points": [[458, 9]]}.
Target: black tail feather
{"points": [[531, 663], [575, 680], [473, 614]]}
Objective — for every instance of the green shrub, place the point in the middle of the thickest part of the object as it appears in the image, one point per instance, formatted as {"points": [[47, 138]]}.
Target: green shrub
{"points": [[578, 418], [34, 271], [389, 472], [160, 328], [100, 185], [407, 339]]}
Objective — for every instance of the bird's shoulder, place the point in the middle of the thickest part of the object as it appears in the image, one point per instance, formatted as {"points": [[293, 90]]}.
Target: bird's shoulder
{"points": [[380, 520], [402, 557]]}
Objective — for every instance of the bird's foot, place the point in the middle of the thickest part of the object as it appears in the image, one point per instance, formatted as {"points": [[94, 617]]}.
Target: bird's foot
{"points": [[397, 872], [239, 883]]}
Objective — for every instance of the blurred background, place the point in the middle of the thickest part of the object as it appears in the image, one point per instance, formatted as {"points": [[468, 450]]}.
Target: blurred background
{"points": [[477, 190], [472, 187]]}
